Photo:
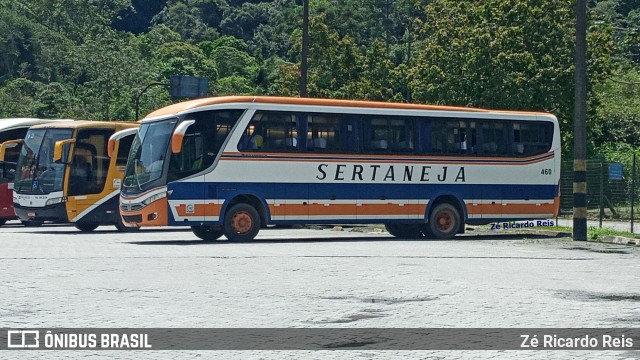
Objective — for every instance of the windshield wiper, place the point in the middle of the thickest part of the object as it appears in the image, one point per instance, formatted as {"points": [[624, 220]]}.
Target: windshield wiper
{"points": [[135, 173]]}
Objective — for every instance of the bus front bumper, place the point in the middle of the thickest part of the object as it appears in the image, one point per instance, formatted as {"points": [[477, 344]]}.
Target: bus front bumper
{"points": [[54, 213]]}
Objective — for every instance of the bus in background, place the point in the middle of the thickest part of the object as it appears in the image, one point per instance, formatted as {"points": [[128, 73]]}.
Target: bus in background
{"points": [[64, 174], [12, 129], [231, 165]]}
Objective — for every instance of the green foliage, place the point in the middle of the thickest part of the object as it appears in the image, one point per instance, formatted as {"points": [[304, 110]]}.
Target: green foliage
{"points": [[617, 116], [186, 20], [64, 58], [620, 152], [596, 234], [185, 59], [231, 61], [233, 85], [503, 54], [156, 37]]}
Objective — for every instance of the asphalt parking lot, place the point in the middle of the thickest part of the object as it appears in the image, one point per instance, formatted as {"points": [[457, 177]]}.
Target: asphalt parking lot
{"points": [[56, 276]]}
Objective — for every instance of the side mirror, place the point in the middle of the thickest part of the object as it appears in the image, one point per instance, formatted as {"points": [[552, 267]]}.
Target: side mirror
{"points": [[58, 150], [8, 145], [115, 138], [178, 135]]}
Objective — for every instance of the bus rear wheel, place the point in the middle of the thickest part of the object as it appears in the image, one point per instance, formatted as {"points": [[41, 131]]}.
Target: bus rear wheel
{"points": [[86, 227], [241, 223], [207, 233], [3, 221], [31, 223], [444, 221], [404, 231]]}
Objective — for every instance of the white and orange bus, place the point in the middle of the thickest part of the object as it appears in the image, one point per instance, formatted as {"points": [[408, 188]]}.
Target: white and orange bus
{"points": [[65, 175], [231, 165]]}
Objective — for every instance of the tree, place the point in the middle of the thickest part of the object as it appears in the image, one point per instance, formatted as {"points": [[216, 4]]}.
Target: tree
{"points": [[177, 58], [186, 20], [617, 117], [504, 54]]}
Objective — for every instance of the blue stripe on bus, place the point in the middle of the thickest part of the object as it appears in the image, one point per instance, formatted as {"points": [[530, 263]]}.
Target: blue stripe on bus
{"points": [[315, 191]]}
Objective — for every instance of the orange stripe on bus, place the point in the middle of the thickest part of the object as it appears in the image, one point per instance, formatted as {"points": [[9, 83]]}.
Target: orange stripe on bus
{"points": [[199, 210], [511, 208], [264, 156], [346, 209], [210, 101]]}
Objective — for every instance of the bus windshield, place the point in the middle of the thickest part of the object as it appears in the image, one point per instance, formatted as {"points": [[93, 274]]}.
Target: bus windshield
{"points": [[37, 173], [148, 151], [200, 146]]}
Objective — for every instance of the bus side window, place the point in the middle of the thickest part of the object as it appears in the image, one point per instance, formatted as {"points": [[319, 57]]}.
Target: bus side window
{"points": [[457, 141], [8, 166], [389, 134], [531, 138], [437, 136], [271, 131], [324, 133], [123, 150], [494, 138]]}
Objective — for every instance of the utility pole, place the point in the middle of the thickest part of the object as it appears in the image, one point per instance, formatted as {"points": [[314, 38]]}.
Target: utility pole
{"points": [[305, 48], [580, 127]]}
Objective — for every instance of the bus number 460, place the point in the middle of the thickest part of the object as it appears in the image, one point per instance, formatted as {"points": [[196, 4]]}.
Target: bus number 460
{"points": [[545, 172]]}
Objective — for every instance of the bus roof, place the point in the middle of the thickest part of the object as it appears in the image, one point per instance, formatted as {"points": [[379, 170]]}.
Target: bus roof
{"points": [[9, 123], [87, 124], [180, 107]]}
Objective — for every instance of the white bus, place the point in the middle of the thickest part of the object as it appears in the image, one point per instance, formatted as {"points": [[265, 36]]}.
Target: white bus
{"points": [[231, 165], [12, 129]]}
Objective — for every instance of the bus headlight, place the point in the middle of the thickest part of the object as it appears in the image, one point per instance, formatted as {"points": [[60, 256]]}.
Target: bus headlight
{"points": [[153, 198], [54, 201]]}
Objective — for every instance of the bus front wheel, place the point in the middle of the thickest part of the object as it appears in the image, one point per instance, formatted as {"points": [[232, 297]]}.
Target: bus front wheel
{"points": [[86, 227], [241, 223], [404, 231], [123, 228], [207, 233], [31, 223], [444, 221]]}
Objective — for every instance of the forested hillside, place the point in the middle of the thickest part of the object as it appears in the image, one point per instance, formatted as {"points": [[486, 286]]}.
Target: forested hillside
{"points": [[90, 58]]}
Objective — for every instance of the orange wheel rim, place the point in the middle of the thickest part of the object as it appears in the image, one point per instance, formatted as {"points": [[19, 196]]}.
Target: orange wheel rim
{"points": [[242, 222], [444, 221]]}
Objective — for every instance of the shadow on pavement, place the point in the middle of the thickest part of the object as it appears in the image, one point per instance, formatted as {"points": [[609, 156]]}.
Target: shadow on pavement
{"points": [[473, 237], [107, 230]]}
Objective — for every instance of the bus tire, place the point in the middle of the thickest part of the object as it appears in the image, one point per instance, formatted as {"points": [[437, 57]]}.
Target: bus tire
{"points": [[123, 228], [207, 233], [86, 227], [404, 231], [241, 223], [31, 223], [3, 221], [444, 221]]}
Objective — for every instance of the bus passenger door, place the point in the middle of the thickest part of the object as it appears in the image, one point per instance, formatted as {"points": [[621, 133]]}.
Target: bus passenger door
{"points": [[95, 200]]}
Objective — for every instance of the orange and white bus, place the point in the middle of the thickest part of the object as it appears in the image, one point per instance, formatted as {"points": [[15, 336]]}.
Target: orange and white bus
{"points": [[231, 165], [64, 174]]}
